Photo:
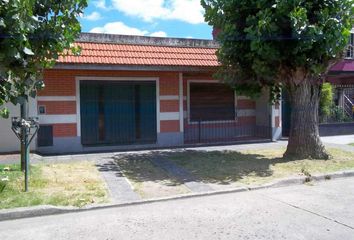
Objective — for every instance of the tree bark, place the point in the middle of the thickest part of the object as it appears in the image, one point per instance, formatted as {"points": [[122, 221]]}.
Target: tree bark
{"points": [[304, 141]]}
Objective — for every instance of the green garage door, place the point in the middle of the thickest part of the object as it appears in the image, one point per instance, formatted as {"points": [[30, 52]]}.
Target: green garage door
{"points": [[118, 112]]}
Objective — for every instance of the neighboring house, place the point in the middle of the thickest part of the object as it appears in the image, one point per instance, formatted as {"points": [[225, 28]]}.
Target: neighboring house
{"points": [[341, 119], [342, 77], [127, 92]]}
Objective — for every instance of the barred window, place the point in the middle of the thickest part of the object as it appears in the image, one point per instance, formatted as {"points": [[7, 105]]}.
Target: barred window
{"points": [[211, 102], [350, 49]]}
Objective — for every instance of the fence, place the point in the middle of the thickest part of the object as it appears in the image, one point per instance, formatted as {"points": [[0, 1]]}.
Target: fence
{"points": [[224, 131]]}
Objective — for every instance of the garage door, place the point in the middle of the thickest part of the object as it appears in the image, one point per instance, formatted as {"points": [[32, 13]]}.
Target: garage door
{"points": [[117, 112]]}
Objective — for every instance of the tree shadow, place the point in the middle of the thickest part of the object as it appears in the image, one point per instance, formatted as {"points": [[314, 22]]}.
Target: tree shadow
{"points": [[109, 166], [219, 167]]}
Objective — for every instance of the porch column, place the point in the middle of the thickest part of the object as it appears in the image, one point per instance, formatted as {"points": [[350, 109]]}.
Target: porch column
{"points": [[170, 110], [181, 101]]}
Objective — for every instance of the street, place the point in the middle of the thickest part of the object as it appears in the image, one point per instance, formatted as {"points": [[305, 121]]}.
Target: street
{"points": [[316, 211]]}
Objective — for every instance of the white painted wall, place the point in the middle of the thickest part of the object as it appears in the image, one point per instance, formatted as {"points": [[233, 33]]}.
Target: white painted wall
{"points": [[8, 141]]}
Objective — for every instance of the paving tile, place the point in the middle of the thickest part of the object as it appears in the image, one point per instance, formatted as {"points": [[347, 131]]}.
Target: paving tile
{"points": [[120, 189], [181, 174]]}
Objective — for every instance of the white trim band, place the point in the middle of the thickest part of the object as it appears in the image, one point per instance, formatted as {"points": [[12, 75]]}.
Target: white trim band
{"points": [[243, 98], [56, 98], [169, 116], [169, 97], [57, 119], [246, 113], [94, 78]]}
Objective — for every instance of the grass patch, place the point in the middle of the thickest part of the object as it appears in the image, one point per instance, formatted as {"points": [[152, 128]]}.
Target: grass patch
{"points": [[351, 144], [147, 180], [255, 166], [74, 184]]}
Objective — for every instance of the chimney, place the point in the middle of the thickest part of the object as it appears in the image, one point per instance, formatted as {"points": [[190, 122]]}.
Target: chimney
{"points": [[216, 32]]}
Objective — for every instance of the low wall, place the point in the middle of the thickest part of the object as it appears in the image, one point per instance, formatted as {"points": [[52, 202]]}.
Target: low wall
{"points": [[332, 129], [8, 141]]}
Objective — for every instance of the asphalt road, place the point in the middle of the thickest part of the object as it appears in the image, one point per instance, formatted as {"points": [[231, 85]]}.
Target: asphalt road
{"points": [[323, 211]]}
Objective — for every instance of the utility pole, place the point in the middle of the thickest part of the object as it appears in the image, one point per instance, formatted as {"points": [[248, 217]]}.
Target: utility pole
{"points": [[24, 143], [24, 139], [22, 127]]}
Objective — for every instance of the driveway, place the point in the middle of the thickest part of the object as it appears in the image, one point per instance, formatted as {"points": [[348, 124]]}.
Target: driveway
{"points": [[323, 211]]}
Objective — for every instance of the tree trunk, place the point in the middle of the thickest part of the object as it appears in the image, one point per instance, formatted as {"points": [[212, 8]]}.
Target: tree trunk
{"points": [[304, 140]]}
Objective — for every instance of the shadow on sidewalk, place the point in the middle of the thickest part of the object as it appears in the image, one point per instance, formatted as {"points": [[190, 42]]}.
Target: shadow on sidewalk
{"points": [[220, 167]]}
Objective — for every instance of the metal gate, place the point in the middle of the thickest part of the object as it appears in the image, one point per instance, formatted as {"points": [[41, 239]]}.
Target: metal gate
{"points": [[114, 113], [286, 114]]}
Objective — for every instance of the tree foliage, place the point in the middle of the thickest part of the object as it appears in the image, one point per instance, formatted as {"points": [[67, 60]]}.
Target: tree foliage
{"points": [[279, 44], [272, 42], [32, 34]]}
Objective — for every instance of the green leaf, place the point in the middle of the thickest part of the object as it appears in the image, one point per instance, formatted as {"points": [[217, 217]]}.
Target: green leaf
{"points": [[35, 37], [39, 85], [262, 41], [2, 23], [4, 113]]}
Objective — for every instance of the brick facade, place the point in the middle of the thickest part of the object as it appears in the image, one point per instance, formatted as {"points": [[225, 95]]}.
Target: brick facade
{"points": [[170, 126], [246, 104], [58, 107], [62, 83], [64, 130], [169, 105]]}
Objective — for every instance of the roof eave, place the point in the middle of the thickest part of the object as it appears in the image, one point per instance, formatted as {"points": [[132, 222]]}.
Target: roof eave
{"points": [[114, 67]]}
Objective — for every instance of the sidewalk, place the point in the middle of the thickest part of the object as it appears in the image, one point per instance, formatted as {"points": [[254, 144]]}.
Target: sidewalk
{"points": [[123, 190], [35, 158], [343, 140]]}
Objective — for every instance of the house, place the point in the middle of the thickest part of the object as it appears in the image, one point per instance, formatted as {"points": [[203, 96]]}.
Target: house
{"points": [[128, 92], [342, 78], [341, 119]]}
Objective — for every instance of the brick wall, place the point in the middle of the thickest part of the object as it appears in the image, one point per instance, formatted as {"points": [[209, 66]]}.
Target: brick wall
{"points": [[246, 104], [58, 107], [58, 83], [61, 83], [169, 103], [64, 130], [169, 106]]}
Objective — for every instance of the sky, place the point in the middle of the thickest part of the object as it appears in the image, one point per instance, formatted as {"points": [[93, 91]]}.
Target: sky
{"points": [[160, 18]]}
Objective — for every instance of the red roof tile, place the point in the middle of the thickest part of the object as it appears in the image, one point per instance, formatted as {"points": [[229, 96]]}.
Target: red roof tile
{"points": [[120, 54]]}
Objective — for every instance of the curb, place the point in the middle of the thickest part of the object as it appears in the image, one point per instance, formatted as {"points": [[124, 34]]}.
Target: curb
{"points": [[46, 210]]}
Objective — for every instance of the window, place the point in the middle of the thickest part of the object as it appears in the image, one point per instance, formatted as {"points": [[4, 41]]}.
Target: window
{"points": [[211, 102], [41, 110], [350, 49]]}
